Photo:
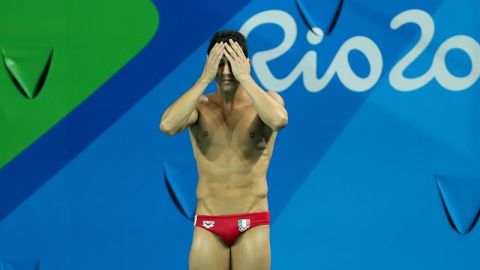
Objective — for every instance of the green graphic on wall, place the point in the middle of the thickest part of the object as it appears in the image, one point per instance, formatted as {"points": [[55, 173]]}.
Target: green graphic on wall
{"points": [[56, 53]]}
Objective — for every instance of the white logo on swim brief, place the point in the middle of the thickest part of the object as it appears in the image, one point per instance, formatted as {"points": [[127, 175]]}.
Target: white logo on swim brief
{"points": [[208, 224], [243, 224]]}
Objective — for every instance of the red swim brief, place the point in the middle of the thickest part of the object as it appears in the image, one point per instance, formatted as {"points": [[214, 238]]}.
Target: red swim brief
{"points": [[229, 227]]}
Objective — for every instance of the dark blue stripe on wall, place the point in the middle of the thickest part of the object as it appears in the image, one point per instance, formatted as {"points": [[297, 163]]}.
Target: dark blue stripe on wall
{"points": [[175, 39]]}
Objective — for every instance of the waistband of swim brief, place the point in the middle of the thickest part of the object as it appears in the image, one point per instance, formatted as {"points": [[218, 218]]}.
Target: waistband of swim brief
{"points": [[253, 214], [262, 217]]}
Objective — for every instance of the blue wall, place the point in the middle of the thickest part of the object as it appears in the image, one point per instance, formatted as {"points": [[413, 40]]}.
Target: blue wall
{"points": [[377, 169]]}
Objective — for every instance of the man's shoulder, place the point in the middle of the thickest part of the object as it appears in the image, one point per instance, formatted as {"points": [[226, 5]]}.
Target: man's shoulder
{"points": [[206, 103], [202, 101]]}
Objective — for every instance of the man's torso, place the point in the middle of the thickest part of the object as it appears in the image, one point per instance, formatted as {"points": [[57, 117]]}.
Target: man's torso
{"points": [[233, 151]]}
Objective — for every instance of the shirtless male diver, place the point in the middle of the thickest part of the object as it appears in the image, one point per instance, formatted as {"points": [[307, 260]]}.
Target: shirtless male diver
{"points": [[232, 132]]}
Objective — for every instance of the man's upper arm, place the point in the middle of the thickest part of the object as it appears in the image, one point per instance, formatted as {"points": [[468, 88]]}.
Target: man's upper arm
{"points": [[193, 118], [194, 115], [279, 99]]}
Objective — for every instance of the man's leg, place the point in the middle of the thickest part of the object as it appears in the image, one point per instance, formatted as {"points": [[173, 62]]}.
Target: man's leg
{"points": [[208, 251], [252, 249]]}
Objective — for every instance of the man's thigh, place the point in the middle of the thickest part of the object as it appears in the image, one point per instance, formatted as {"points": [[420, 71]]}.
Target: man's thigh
{"points": [[252, 249], [208, 251]]}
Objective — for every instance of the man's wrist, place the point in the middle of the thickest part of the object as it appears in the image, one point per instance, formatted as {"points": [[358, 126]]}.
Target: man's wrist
{"points": [[245, 80], [203, 81]]}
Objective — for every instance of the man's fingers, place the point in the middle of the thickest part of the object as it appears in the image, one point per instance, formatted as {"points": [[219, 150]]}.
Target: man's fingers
{"points": [[218, 57], [231, 51], [238, 50], [219, 52], [214, 50], [220, 49], [229, 56]]}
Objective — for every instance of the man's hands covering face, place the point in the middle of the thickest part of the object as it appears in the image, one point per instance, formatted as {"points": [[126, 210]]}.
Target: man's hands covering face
{"points": [[239, 63], [213, 59]]}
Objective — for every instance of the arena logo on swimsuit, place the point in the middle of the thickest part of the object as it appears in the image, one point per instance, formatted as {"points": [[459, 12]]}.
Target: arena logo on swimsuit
{"points": [[341, 67], [208, 224]]}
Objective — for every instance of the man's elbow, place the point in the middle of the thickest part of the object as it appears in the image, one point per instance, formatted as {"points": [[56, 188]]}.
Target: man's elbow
{"points": [[165, 128], [282, 122]]}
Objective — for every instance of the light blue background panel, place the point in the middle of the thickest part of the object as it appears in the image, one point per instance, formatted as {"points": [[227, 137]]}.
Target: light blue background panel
{"points": [[352, 181]]}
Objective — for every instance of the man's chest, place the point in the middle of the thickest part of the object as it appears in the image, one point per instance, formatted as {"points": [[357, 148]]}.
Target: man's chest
{"points": [[240, 129]]}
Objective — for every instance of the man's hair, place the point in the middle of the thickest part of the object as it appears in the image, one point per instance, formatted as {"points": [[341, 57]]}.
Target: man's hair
{"points": [[225, 35]]}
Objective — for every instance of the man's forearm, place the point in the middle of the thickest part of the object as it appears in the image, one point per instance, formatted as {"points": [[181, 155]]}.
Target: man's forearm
{"points": [[270, 111], [177, 115]]}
